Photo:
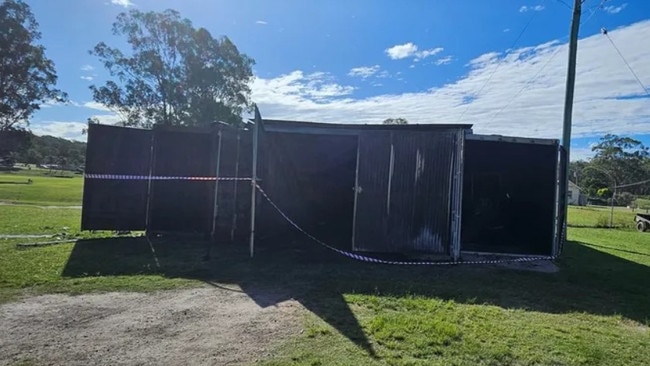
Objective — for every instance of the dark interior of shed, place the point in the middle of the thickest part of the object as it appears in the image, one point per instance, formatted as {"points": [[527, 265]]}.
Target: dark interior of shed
{"points": [[508, 197], [311, 178]]}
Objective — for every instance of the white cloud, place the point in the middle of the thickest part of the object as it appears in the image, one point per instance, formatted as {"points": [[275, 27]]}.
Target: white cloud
{"points": [[444, 60], [364, 72], [124, 3], [95, 105], [107, 119], [602, 79], [581, 153], [87, 68], [615, 9], [525, 8], [506, 30], [401, 51], [66, 130], [296, 88], [87, 78], [261, 22], [409, 49]]}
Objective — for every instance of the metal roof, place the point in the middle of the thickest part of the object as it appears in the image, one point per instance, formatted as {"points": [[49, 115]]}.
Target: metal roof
{"points": [[273, 125]]}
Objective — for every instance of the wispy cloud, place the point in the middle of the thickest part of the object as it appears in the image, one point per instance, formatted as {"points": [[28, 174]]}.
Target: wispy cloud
{"points": [[601, 105], [409, 49], [261, 22], [364, 72], [124, 3], [525, 8], [87, 68], [96, 106], [615, 9], [87, 78], [297, 86], [444, 60], [506, 30]]}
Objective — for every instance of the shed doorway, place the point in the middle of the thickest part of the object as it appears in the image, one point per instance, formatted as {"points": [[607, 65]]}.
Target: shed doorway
{"points": [[509, 197], [311, 178]]}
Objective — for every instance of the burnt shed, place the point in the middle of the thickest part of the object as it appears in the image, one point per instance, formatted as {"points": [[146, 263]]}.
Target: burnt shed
{"points": [[434, 189]]}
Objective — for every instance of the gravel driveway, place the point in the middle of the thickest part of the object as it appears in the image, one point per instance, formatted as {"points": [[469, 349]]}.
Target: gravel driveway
{"points": [[200, 326]]}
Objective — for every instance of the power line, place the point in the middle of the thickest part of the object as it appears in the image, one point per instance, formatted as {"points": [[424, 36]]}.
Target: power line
{"points": [[626, 63], [633, 184], [523, 30], [527, 84], [593, 11], [564, 3]]}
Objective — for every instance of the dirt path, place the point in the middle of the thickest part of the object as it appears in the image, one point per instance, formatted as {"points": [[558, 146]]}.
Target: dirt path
{"points": [[201, 326]]}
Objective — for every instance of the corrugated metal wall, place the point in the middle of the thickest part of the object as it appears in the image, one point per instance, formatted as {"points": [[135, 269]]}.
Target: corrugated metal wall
{"points": [[116, 204], [233, 203], [182, 205], [404, 195]]}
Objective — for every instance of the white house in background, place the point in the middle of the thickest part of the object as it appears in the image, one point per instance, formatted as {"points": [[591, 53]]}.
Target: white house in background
{"points": [[575, 195]]}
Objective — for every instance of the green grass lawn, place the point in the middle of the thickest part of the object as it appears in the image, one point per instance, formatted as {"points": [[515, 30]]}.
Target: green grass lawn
{"points": [[44, 190], [594, 311], [597, 216]]}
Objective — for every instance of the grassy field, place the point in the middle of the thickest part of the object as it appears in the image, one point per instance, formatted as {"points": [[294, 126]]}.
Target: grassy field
{"points": [[594, 311], [44, 190], [598, 216]]}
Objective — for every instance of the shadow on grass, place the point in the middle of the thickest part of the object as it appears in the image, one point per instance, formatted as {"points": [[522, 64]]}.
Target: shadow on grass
{"points": [[589, 281]]}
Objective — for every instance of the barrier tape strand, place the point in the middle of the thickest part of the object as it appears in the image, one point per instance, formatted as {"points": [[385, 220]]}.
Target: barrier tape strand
{"points": [[315, 239]]}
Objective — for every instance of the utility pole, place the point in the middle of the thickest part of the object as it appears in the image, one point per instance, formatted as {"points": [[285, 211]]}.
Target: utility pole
{"points": [[568, 102], [571, 76]]}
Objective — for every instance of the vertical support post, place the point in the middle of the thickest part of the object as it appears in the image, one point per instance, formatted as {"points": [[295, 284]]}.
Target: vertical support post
{"points": [[391, 166], [611, 209], [149, 193], [555, 251], [456, 199], [568, 100], [356, 194], [256, 127], [235, 186], [215, 207]]}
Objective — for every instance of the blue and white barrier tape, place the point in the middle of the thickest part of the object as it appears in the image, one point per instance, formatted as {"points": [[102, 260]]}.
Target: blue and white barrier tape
{"points": [[383, 261], [156, 177], [339, 251]]}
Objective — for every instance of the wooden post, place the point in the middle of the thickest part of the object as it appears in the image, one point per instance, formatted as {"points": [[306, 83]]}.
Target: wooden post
{"points": [[568, 103]]}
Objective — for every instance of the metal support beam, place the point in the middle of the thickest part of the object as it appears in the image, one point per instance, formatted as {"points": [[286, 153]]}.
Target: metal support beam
{"points": [[256, 130]]}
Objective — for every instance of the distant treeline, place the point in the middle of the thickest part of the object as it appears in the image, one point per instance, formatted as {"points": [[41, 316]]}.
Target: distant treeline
{"points": [[53, 151]]}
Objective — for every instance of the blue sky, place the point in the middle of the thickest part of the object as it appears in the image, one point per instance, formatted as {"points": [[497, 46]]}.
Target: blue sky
{"points": [[364, 61]]}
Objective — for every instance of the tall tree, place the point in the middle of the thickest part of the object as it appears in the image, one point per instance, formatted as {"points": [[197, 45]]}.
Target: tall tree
{"points": [[395, 121], [174, 74], [27, 76], [624, 158]]}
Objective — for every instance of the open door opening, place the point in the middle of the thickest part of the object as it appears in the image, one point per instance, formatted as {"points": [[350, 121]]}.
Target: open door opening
{"points": [[509, 192], [311, 178]]}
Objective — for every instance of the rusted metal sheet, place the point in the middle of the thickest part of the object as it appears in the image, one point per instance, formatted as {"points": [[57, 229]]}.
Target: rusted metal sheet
{"points": [[405, 206], [116, 204]]}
